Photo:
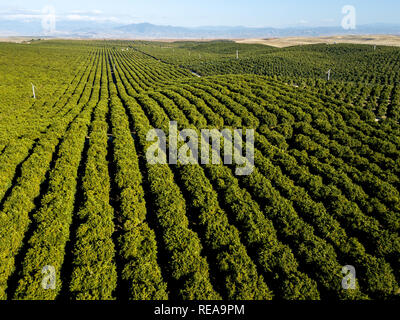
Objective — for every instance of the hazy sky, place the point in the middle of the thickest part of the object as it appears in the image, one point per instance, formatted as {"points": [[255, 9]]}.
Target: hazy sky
{"points": [[257, 13]]}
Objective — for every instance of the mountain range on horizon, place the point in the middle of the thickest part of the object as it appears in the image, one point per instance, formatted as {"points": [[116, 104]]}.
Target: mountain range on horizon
{"points": [[94, 29]]}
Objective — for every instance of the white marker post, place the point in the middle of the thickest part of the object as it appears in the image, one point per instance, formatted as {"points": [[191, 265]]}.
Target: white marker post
{"points": [[237, 54], [329, 74], [33, 90]]}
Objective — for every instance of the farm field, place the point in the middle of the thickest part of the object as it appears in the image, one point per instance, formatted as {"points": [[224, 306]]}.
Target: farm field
{"points": [[384, 40], [79, 198]]}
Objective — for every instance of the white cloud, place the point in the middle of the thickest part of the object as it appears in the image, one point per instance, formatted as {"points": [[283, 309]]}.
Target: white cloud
{"points": [[23, 17], [76, 15], [79, 17], [82, 12], [21, 14], [18, 11]]}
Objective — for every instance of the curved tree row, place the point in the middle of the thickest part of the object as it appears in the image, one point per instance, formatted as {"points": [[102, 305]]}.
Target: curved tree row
{"points": [[94, 274], [137, 242], [187, 266]]}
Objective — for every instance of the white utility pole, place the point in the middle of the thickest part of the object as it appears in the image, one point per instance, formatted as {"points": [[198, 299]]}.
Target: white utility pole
{"points": [[237, 54], [33, 90], [329, 74]]}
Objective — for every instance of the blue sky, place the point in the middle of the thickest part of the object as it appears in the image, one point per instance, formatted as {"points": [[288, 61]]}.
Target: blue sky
{"points": [[255, 13]]}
